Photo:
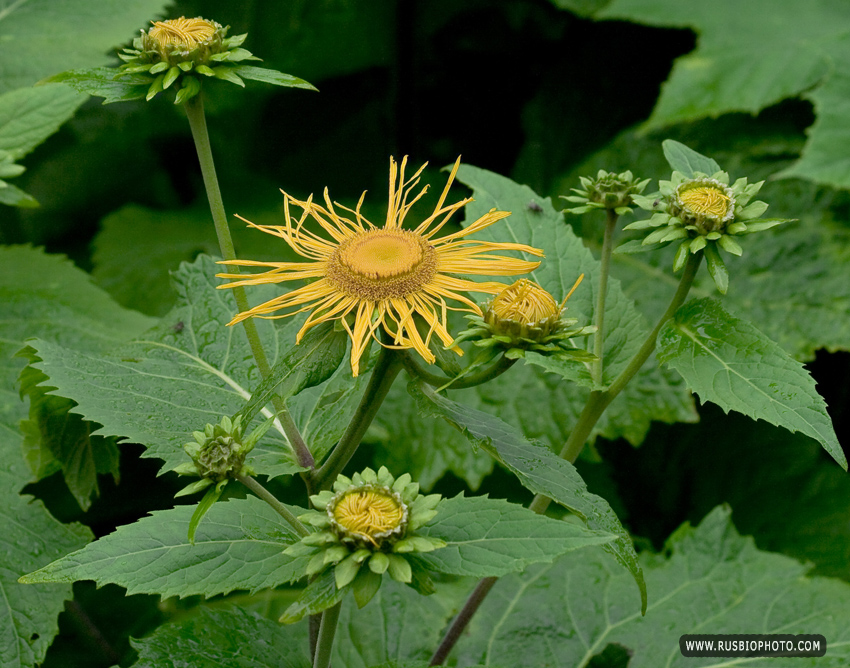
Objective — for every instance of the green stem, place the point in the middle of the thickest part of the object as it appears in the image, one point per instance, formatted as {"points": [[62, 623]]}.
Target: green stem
{"points": [[593, 409], [599, 313], [327, 631], [599, 401], [386, 369], [198, 124], [460, 382], [269, 498]]}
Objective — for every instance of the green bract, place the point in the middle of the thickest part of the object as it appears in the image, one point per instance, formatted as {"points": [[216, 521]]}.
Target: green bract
{"points": [[606, 191], [218, 453], [369, 520], [703, 213]]}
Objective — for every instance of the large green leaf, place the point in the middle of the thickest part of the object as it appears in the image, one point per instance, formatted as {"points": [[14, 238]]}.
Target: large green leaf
{"points": [[40, 37], [238, 545], [493, 537], [188, 371], [752, 55], [539, 470], [714, 581], [215, 638], [729, 362], [31, 538], [30, 115]]}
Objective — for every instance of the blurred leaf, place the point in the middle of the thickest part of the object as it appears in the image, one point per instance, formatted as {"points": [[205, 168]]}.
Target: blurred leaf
{"points": [[752, 55], [12, 196], [274, 77], [216, 638], [731, 363], [714, 581], [57, 438], [39, 37], [493, 537], [239, 545], [582, 7], [188, 371], [686, 160], [104, 82], [30, 115], [31, 538], [538, 469]]}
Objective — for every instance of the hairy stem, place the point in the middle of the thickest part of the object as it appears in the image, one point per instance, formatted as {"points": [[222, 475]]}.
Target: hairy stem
{"points": [[327, 631], [593, 409], [269, 498], [461, 382], [386, 369], [599, 313], [198, 123]]}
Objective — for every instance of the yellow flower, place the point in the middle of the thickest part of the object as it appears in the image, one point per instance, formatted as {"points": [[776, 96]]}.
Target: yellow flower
{"points": [[383, 276], [182, 33], [525, 302]]}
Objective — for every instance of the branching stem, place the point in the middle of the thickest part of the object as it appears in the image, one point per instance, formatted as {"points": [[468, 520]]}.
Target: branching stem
{"points": [[252, 484]]}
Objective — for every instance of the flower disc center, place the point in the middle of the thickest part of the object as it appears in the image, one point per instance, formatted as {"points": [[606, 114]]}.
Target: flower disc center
{"points": [[706, 200], [524, 302], [369, 512], [382, 253], [182, 32]]}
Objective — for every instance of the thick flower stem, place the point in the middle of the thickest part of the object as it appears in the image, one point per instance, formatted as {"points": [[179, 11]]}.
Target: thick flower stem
{"points": [[327, 631], [198, 123], [269, 498], [386, 369], [599, 313], [593, 409], [461, 382]]}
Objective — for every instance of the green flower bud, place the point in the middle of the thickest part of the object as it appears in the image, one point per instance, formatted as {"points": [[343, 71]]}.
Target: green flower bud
{"points": [[607, 191]]}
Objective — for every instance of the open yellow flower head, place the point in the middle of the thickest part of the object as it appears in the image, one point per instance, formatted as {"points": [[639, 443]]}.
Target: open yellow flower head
{"points": [[370, 277]]}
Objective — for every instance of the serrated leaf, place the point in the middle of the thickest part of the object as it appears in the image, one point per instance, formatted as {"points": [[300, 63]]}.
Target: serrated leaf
{"points": [[744, 63], [684, 159], [42, 38], [487, 537], [319, 595], [538, 469], [188, 371], [266, 75], [30, 115], [31, 538], [714, 581], [104, 82], [239, 545], [216, 638], [307, 364], [729, 362]]}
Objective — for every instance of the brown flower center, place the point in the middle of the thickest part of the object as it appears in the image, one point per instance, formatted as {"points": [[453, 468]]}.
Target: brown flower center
{"points": [[382, 264]]}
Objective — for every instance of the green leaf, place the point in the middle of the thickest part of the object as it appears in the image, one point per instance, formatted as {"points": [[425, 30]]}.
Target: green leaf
{"points": [[304, 365], [538, 469], [216, 638], [239, 545], [42, 38], [686, 160], [714, 581], [487, 537], [188, 371], [31, 538], [104, 82], [55, 439], [271, 76], [30, 115], [213, 494], [12, 196], [745, 62], [317, 596], [729, 362]]}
